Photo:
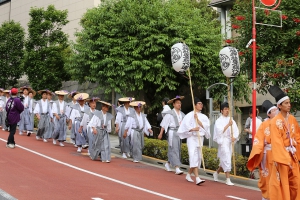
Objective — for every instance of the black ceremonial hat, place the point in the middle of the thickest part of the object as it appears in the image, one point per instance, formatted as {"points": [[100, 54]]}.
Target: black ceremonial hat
{"points": [[278, 94], [267, 106]]}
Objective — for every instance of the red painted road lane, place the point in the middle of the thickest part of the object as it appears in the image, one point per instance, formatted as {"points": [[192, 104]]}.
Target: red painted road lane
{"points": [[29, 176]]}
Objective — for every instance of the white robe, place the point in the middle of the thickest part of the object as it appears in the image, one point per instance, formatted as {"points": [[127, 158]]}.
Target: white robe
{"points": [[169, 122], [224, 141], [165, 109], [192, 141], [258, 123]]}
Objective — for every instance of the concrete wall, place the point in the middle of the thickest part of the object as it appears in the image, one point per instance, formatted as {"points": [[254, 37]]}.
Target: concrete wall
{"points": [[18, 10]]}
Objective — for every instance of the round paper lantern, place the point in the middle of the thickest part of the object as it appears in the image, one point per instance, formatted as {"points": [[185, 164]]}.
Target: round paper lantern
{"points": [[230, 63], [180, 56], [268, 2]]}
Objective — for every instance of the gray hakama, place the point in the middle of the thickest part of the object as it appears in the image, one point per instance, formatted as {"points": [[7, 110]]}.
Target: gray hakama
{"points": [[3, 117], [43, 126], [101, 143], [80, 138], [136, 130], [87, 116], [26, 123], [60, 126], [44, 122], [49, 134], [125, 142], [174, 151], [171, 124]]}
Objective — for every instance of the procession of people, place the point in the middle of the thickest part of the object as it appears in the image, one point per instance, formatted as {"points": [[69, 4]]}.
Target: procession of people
{"points": [[276, 145]]}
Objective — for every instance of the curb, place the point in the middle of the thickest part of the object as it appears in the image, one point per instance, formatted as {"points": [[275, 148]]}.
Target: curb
{"points": [[207, 173]]}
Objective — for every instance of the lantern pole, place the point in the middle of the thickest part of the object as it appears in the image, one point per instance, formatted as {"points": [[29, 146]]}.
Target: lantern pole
{"points": [[198, 133], [253, 70]]}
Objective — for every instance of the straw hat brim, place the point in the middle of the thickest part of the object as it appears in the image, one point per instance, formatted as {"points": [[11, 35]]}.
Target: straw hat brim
{"points": [[96, 99], [106, 103], [25, 87], [171, 100], [126, 99], [6, 91], [70, 94], [47, 91], [33, 92], [61, 92], [81, 96], [136, 103]]}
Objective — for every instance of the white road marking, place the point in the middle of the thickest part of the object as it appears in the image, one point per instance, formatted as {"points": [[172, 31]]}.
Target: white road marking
{"points": [[233, 197], [95, 174], [97, 198]]}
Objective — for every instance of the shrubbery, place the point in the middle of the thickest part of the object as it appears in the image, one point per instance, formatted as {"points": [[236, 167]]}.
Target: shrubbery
{"points": [[159, 149]]}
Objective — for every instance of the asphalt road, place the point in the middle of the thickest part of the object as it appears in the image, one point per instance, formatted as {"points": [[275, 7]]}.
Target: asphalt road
{"points": [[37, 170]]}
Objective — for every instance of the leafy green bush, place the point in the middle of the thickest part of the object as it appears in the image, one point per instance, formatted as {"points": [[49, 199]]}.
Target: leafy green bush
{"points": [[159, 149]]}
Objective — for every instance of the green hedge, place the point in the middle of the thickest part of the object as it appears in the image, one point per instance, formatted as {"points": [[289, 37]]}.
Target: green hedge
{"points": [[159, 149]]}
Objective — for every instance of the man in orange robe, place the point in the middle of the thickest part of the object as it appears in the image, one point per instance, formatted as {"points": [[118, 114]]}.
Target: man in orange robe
{"points": [[284, 180], [261, 155]]}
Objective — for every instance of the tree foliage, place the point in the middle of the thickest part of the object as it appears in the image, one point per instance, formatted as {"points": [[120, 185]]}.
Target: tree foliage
{"points": [[46, 48], [278, 48], [11, 53], [125, 46]]}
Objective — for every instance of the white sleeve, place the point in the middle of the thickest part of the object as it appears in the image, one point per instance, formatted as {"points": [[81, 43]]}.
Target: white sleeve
{"points": [[128, 125], [147, 127], [218, 132], [54, 108], [95, 122], [84, 120], [74, 114], [166, 122], [30, 105], [36, 109], [118, 118], [109, 126]]}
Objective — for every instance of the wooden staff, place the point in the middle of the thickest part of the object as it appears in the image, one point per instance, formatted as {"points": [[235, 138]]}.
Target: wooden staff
{"points": [[198, 133], [231, 128]]}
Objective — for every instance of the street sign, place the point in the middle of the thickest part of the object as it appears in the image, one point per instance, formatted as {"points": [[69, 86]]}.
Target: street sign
{"points": [[268, 2]]}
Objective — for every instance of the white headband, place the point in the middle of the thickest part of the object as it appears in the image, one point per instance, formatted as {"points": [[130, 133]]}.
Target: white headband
{"points": [[282, 100], [271, 109]]}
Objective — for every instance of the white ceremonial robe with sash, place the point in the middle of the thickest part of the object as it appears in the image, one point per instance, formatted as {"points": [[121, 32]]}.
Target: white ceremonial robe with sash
{"points": [[166, 108], [137, 125], [192, 141], [224, 141]]}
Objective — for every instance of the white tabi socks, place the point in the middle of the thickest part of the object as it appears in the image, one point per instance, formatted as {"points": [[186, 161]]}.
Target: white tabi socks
{"points": [[199, 181], [228, 182], [188, 178]]}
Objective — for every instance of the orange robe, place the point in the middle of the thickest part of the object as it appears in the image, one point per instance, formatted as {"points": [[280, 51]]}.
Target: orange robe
{"points": [[261, 156], [284, 178]]}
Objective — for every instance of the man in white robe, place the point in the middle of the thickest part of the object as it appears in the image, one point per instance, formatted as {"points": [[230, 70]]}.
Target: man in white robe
{"points": [[44, 114], [25, 124], [121, 119], [84, 124], [60, 119], [170, 125], [76, 118], [166, 107], [101, 127], [69, 110], [224, 138], [194, 127], [136, 125]]}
